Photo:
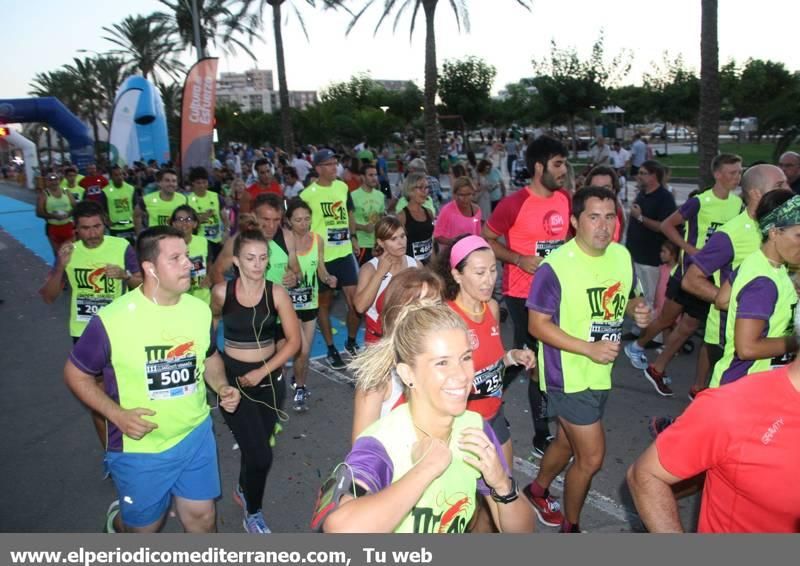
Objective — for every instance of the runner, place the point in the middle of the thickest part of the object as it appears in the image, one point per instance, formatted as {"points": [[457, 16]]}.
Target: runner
{"points": [[370, 206], [374, 276], [417, 220], [376, 397], [93, 184], [265, 183], [55, 205], [723, 253], [743, 438], [534, 221], [331, 218], [455, 453], [70, 183], [185, 220], [759, 330], [98, 268], [154, 349], [308, 263], [469, 271], [157, 207], [266, 216], [602, 176], [119, 197], [249, 307], [459, 216], [701, 215], [213, 223], [578, 300]]}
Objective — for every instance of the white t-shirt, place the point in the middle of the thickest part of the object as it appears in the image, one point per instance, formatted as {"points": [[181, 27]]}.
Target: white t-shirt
{"points": [[302, 167], [291, 191], [619, 158]]}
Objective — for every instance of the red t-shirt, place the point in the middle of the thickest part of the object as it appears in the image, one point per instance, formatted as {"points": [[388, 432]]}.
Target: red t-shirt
{"points": [[94, 188], [531, 225], [746, 437], [255, 189], [487, 359]]}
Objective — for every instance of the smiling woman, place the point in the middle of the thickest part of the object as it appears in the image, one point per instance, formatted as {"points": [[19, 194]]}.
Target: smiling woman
{"points": [[418, 469]]}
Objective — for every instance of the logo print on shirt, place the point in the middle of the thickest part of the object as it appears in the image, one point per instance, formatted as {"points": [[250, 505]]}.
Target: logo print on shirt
{"points": [[95, 280], [607, 303], [772, 431], [553, 223], [333, 210]]}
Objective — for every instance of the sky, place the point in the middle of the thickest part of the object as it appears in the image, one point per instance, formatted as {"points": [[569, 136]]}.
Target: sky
{"points": [[48, 34]]}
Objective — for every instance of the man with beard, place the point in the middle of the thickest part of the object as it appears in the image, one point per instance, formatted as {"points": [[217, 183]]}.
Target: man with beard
{"points": [[534, 221], [652, 206]]}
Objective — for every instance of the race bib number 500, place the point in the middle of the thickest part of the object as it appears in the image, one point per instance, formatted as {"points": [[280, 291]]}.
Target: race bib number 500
{"points": [[171, 378]]}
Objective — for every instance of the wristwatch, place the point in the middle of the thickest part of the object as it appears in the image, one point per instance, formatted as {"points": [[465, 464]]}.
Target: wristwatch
{"points": [[506, 498]]}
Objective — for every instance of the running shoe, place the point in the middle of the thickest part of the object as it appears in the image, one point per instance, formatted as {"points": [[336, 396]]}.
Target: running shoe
{"points": [[636, 355], [300, 400], [539, 446], [334, 359], [111, 514], [238, 497], [657, 425], [255, 524], [693, 391], [547, 508], [352, 348], [659, 381]]}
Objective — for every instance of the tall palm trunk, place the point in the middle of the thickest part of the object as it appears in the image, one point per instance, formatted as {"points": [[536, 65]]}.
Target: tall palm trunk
{"points": [[283, 90], [432, 145], [708, 126]]}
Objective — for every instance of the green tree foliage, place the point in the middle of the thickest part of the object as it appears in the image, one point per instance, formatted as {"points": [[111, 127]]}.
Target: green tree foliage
{"points": [[225, 24], [461, 16], [637, 101], [465, 86], [768, 91], [570, 86], [147, 44], [676, 90]]}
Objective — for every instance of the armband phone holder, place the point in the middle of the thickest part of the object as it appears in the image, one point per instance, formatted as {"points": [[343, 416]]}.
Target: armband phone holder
{"points": [[337, 485]]}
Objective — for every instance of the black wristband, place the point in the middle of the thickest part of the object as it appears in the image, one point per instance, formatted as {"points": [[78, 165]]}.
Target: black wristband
{"points": [[506, 498]]}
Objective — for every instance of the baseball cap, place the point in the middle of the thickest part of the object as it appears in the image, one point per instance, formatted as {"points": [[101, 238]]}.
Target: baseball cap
{"points": [[323, 155]]}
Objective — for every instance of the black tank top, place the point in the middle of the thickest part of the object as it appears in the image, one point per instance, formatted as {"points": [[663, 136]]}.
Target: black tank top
{"points": [[241, 325], [419, 234]]}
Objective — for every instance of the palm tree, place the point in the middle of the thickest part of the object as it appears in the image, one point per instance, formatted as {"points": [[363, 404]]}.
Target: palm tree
{"points": [[93, 100], [461, 14], [172, 96], [59, 84], [221, 23], [708, 124], [109, 73], [283, 89], [147, 44]]}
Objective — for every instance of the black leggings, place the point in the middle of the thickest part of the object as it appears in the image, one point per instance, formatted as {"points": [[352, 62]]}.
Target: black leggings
{"points": [[536, 398], [252, 425]]}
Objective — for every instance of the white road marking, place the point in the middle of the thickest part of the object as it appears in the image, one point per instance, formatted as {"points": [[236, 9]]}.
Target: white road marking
{"points": [[594, 498]]}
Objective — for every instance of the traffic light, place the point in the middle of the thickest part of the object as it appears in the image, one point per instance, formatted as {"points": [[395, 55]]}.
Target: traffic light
{"points": [[4, 131]]}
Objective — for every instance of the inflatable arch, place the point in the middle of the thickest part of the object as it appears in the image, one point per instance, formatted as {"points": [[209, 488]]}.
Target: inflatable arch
{"points": [[51, 111]]}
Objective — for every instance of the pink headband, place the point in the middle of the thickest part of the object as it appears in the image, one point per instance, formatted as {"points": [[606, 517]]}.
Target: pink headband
{"points": [[464, 247]]}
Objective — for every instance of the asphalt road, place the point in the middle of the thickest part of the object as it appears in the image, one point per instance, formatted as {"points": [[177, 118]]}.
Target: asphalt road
{"points": [[52, 476]]}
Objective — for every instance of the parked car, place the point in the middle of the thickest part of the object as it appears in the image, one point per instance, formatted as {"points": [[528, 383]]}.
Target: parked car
{"points": [[746, 125]]}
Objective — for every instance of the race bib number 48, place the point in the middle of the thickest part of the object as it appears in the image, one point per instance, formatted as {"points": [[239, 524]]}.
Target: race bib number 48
{"points": [[422, 250]]}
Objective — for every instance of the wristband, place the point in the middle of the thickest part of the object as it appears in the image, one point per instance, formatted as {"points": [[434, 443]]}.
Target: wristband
{"points": [[506, 498]]}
